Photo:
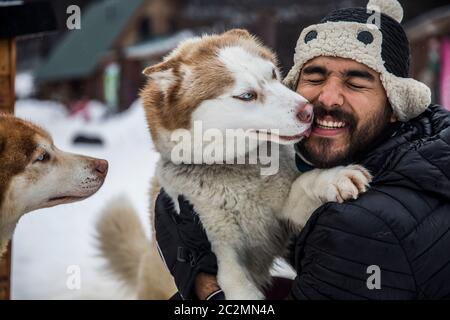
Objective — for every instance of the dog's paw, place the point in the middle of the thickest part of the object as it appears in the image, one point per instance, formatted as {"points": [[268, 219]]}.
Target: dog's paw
{"points": [[244, 295], [345, 183], [239, 288]]}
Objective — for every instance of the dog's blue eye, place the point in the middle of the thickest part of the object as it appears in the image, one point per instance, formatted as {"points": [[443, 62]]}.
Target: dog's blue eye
{"points": [[247, 96], [43, 157]]}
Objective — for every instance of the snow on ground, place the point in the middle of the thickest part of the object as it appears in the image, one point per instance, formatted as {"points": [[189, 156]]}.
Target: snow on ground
{"points": [[47, 243]]}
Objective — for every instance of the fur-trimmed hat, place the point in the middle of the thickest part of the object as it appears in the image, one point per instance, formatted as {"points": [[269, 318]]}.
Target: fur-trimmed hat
{"points": [[372, 36]]}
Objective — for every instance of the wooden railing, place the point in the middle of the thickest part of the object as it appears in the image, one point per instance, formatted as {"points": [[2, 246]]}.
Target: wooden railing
{"points": [[7, 101], [30, 23], [5, 275]]}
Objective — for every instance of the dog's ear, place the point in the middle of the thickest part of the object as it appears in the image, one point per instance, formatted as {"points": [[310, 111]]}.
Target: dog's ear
{"points": [[239, 32], [162, 73], [160, 67]]}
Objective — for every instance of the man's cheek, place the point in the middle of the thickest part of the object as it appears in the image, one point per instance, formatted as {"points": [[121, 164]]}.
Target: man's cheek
{"points": [[307, 92]]}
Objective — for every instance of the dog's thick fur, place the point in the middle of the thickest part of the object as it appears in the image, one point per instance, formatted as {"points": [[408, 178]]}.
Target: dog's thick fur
{"points": [[244, 213], [34, 174]]}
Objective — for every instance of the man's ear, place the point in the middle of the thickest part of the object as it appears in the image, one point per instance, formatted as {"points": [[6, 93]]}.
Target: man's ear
{"points": [[394, 118], [162, 73], [239, 32]]}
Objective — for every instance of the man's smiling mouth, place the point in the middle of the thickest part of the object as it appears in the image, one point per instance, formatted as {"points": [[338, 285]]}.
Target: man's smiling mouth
{"points": [[329, 124], [329, 127]]}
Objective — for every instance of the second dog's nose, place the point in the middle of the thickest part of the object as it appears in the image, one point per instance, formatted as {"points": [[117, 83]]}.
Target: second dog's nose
{"points": [[101, 166], [305, 113]]}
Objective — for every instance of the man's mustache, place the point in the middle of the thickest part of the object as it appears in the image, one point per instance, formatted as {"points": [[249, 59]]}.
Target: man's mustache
{"points": [[320, 112]]}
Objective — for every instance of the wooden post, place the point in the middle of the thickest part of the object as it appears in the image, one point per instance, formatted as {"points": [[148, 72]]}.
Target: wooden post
{"points": [[5, 275], [7, 101], [7, 74], [34, 17]]}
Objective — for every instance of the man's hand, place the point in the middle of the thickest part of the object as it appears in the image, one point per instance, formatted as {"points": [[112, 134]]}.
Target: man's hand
{"points": [[185, 248], [206, 285]]}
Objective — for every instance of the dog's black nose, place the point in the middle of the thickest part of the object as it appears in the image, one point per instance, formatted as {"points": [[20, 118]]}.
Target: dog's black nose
{"points": [[101, 166]]}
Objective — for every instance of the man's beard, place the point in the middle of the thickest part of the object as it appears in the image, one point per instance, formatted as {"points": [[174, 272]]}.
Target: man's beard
{"points": [[321, 154]]}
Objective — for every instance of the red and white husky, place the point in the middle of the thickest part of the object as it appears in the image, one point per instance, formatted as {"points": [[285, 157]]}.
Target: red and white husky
{"points": [[34, 174]]}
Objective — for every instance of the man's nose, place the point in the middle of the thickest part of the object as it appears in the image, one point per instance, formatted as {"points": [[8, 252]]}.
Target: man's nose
{"points": [[331, 95], [305, 113]]}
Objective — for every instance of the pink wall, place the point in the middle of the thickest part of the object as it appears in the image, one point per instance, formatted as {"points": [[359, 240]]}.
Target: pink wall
{"points": [[445, 74]]}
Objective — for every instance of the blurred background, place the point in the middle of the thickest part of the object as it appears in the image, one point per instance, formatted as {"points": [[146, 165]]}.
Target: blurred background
{"points": [[83, 85]]}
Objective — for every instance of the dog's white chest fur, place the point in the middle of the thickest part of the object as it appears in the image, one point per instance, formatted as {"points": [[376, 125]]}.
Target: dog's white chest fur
{"points": [[240, 210]]}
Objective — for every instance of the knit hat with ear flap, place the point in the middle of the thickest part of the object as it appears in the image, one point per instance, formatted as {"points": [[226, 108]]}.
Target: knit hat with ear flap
{"points": [[372, 36]]}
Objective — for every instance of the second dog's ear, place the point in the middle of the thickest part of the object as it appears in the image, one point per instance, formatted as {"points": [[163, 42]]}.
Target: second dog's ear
{"points": [[162, 73]]}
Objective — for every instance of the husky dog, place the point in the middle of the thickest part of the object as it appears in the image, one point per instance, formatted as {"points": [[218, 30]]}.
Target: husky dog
{"points": [[34, 174], [223, 82]]}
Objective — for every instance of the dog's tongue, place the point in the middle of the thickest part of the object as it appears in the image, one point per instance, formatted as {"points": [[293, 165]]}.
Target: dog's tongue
{"points": [[308, 133]]}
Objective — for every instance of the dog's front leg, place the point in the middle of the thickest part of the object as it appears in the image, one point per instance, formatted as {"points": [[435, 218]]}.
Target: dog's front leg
{"points": [[316, 187], [233, 277]]}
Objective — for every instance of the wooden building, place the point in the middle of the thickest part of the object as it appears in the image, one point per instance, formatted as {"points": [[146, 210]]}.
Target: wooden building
{"points": [[92, 62], [429, 35], [119, 38]]}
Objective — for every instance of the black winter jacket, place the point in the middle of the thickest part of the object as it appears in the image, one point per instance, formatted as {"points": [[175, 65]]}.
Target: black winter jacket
{"points": [[401, 225]]}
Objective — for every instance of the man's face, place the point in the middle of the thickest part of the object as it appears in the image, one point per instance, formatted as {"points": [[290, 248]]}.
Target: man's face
{"points": [[350, 106]]}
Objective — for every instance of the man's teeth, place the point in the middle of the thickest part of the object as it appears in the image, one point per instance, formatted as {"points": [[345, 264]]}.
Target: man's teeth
{"points": [[330, 124]]}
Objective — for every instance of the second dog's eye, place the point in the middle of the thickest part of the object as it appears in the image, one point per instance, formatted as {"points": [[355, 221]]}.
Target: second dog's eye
{"points": [[43, 157], [247, 96]]}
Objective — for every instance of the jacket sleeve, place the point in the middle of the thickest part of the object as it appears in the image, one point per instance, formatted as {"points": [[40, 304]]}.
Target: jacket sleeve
{"points": [[347, 252]]}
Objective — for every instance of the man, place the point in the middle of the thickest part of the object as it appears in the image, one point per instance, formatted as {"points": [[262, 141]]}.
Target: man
{"points": [[391, 243]]}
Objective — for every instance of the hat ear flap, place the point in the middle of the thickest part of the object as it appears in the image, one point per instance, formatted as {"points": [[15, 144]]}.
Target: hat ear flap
{"points": [[392, 8], [408, 97]]}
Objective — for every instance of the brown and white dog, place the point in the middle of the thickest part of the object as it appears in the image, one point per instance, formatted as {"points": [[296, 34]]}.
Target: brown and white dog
{"points": [[34, 174], [216, 84]]}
